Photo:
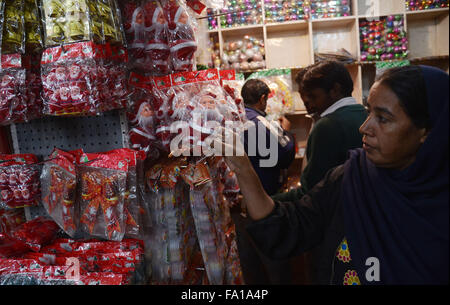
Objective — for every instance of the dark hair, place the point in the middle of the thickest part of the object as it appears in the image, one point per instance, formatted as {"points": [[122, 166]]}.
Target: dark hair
{"points": [[409, 86], [253, 90], [325, 75]]}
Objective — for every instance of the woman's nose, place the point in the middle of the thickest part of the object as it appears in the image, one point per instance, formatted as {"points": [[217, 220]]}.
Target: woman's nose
{"points": [[365, 127]]}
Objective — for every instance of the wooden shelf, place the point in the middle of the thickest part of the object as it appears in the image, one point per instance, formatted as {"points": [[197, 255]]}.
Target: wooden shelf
{"points": [[427, 14], [287, 26], [292, 44]]}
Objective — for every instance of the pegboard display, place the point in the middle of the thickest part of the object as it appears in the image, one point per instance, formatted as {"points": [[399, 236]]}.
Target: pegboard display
{"points": [[92, 134]]}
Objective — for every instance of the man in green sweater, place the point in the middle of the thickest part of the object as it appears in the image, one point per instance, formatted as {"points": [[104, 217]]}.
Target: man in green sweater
{"points": [[326, 90]]}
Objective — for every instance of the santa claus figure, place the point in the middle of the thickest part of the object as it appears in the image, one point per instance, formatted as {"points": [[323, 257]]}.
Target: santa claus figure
{"points": [[157, 48], [135, 31], [181, 37], [143, 131]]}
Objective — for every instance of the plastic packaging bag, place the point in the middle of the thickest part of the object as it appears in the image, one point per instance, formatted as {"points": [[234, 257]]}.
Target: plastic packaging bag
{"points": [[19, 181], [204, 105], [69, 77], [11, 219], [103, 185], [33, 29], [173, 240], [12, 90], [59, 181], [181, 37], [13, 27], [36, 233]]}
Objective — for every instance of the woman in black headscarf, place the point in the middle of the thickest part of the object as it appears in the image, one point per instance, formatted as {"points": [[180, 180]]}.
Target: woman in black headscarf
{"points": [[382, 217]]}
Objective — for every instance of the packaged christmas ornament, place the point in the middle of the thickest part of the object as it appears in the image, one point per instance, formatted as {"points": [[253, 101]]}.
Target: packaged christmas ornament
{"points": [[58, 184], [11, 219], [33, 28], [142, 116], [173, 240], [103, 180], [19, 181], [70, 79], [13, 40], [33, 86], [13, 104], [36, 233], [181, 36], [85, 20], [200, 105]]}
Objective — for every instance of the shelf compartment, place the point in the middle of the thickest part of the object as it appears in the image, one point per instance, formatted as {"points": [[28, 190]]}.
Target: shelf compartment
{"points": [[330, 35], [378, 8], [288, 45], [428, 33]]}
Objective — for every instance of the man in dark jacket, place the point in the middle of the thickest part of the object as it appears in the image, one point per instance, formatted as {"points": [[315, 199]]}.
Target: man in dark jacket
{"points": [[270, 148], [273, 146]]}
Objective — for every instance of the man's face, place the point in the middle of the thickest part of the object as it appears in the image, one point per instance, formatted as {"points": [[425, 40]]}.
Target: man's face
{"points": [[316, 101]]}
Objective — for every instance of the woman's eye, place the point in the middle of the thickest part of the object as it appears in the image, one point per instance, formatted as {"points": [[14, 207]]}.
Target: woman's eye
{"points": [[381, 119]]}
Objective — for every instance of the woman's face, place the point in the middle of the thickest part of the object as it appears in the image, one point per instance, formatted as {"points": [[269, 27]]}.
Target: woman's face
{"points": [[390, 138]]}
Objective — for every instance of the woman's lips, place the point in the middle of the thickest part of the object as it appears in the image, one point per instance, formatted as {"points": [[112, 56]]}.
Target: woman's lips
{"points": [[367, 146]]}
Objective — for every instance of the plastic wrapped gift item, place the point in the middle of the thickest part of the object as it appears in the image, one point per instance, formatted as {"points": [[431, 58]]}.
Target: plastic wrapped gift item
{"points": [[415, 5], [181, 36], [103, 186], [111, 28], [65, 22], [13, 27], [142, 116], [36, 233], [134, 210], [11, 247], [133, 20], [11, 219], [213, 251], [203, 105], [110, 81], [157, 51], [70, 80], [33, 30], [58, 181], [12, 95], [19, 180]]}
